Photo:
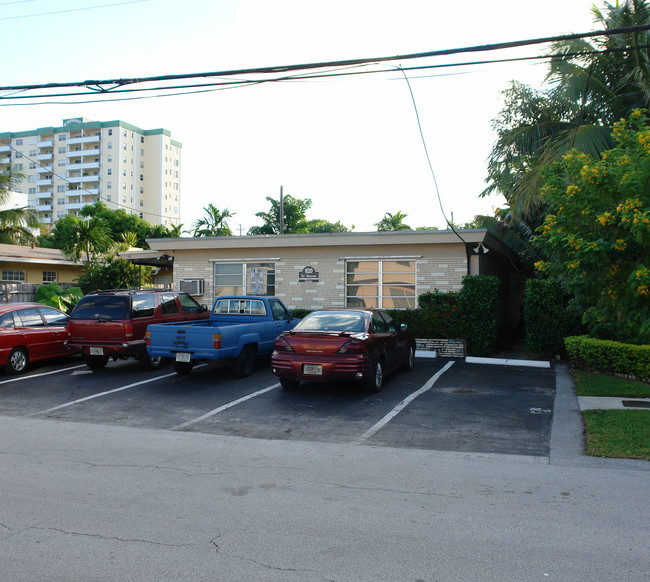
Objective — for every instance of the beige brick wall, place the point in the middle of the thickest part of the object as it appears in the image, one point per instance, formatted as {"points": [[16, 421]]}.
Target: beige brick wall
{"points": [[438, 267]]}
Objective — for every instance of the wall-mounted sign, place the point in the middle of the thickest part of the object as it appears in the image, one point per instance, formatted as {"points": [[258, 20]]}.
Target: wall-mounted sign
{"points": [[257, 281], [308, 274]]}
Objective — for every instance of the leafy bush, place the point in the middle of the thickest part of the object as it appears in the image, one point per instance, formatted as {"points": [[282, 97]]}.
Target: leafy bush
{"points": [[438, 318], [609, 356], [300, 313], [547, 321], [478, 303], [54, 295]]}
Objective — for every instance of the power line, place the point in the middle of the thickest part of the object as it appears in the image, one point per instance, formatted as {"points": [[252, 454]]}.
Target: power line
{"points": [[100, 86], [226, 85], [68, 10]]}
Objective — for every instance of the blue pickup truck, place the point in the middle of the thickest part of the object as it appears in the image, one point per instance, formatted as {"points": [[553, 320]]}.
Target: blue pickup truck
{"points": [[239, 328]]}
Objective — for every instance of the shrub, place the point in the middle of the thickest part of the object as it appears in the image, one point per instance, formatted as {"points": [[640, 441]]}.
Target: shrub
{"points": [[478, 304], [546, 319], [609, 356], [54, 295]]}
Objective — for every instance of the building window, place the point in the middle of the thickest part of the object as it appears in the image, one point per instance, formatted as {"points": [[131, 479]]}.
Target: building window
{"points": [[62, 137], [31, 190], [13, 275], [19, 154], [109, 171], [19, 142], [141, 139], [244, 278], [110, 132], [60, 201], [108, 197], [141, 178], [382, 283], [49, 276], [60, 188], [109, 185], [32, 165], [60, 163], [109, 158], [109, 145], [18, 167]]}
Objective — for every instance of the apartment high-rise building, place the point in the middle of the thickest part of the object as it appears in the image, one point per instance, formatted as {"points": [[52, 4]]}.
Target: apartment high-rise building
{"points": [[83, 161]]}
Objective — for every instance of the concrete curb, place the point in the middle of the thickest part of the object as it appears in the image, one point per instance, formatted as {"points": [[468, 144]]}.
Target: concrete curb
{"points": [[508, 362], [611, 403], [431, 354]]}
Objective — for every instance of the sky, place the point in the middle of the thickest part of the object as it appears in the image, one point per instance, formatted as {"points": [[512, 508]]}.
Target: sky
{"points": [[350, 144]]}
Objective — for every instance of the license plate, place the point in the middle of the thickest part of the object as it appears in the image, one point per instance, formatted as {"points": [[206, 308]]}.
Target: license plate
{"points": [[96, 351], [312, 369], [183, 357]]}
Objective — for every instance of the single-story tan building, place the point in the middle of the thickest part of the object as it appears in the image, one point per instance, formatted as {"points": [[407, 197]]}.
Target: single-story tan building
{"points": [[311, 271], [36, 265]]}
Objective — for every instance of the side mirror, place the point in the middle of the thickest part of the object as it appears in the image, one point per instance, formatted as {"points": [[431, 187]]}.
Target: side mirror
{"points": [[204, 307], [403, 326]]}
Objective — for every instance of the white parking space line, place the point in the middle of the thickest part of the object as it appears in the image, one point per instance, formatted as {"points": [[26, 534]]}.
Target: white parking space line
{"points": [[403, 404], [99, 394], [224, 407], [20, 378]]}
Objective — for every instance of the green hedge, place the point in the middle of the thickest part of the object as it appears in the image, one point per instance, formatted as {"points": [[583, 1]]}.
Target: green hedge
{"points": [[478, 303], [437, 317], [609, 356], [547, 321]]}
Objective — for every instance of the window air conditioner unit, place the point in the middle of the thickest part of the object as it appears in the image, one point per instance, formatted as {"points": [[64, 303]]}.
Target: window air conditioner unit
{"points": [[191, 286]]}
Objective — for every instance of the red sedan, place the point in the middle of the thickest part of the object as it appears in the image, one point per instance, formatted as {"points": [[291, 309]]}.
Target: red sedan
{"points": [[343, 344], [30, 332]]}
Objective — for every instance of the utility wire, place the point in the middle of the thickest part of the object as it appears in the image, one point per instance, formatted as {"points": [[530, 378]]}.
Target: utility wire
{"points": [[68, 10], [97, 85], [223, 85]]}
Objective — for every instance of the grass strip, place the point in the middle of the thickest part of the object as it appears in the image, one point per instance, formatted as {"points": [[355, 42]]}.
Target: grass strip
{"points": [[618, 433], [595, 384]]}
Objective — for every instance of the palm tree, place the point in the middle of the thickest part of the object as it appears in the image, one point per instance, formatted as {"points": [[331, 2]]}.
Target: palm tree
{"points": [[592, 85], [213, 222], [87, 237], [15, 223], [392, 222]]}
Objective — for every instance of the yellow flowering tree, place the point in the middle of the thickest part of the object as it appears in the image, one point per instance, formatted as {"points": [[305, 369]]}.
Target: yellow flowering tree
{"points": [[597, 235]]}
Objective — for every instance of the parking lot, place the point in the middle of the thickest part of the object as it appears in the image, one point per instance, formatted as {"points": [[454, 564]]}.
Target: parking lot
{"points": [[440, 405]]}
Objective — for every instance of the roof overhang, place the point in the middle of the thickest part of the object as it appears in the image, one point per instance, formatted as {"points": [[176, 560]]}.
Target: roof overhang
{"points": [[149, 258]]}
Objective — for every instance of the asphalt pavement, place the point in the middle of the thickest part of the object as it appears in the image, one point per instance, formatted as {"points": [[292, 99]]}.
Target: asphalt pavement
{"points": [[103, 502]]}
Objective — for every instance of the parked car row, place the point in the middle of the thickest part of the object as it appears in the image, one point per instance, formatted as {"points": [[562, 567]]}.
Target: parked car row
{"points": [[362, 344]]}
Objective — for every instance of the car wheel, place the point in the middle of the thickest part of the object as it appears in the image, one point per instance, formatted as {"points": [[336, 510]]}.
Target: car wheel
{"points": [[17, 361], [289, 383], [148, 362], [245, 362], [375, 380], [96, 362], [183, 368], [410, 360]]}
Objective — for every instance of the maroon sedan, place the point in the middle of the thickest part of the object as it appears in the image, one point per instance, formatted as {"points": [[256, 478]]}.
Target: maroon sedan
{"points": [[30, 332], [343, 344]]}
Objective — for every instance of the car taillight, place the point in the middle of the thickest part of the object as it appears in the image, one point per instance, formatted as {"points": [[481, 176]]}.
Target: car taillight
{"points": [[147, 338], [282, 345], [216, 341], [354, 346], [128, 330]]}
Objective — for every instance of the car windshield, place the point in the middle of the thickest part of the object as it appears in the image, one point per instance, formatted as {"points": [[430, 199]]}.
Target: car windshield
{"points": [[336, 321], [101, 307]]}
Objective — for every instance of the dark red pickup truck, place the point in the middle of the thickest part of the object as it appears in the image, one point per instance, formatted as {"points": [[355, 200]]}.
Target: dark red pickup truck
{"points": [[112, 323]]}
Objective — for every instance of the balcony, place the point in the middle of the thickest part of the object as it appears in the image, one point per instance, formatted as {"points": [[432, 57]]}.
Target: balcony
{"points": [[87, 166], [46, 143], [45, 169], [44, 182], [46, 220], [5, 160], [84, 139], [44, 194], [41, 157], [4, 149], [80, 179], [44, 207], [75, 205]]}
